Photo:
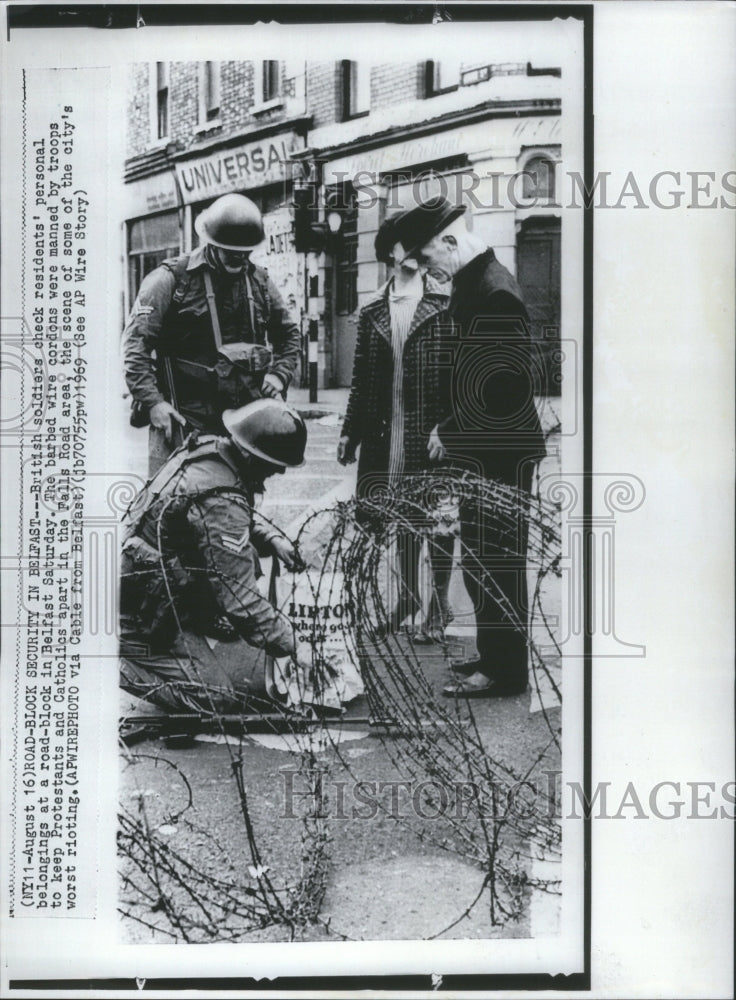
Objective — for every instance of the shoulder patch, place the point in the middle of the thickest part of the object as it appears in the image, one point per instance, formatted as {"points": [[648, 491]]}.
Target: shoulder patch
{"points": [[235, 544]]}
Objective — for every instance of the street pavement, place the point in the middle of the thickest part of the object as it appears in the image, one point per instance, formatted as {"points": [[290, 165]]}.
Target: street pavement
{"points": [[321, 481], [387, 878]]}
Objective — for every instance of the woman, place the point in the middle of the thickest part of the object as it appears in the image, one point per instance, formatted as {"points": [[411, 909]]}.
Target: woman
{"points": [[397, 396]]}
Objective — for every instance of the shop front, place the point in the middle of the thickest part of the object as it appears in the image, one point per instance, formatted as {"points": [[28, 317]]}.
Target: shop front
{"points": [[261, 169], [163, 208], [153, 230]]}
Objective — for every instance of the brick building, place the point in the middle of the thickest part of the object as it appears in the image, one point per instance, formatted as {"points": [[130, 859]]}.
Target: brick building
{"points": [[370, 139]]}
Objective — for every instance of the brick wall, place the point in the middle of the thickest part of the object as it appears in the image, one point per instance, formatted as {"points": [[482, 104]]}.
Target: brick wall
{"points": [[393, 83], [236, 101], [323, 93], [183, 100], [236, 95], [138, 128]]}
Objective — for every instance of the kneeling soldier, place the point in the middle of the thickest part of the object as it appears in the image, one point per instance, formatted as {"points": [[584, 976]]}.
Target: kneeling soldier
{"points": [[190, 608]]}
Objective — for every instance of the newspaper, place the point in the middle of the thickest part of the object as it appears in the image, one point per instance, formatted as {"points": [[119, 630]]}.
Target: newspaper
{"points": [[354, 850]]}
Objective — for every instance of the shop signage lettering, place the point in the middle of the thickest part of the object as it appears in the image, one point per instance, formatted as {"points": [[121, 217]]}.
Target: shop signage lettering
{"points": [[251, 165], [150, 194], [277, 253]]}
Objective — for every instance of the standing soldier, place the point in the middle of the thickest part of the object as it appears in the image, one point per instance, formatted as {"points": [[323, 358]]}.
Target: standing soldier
{"points": [[190, 606], [209, 331]]}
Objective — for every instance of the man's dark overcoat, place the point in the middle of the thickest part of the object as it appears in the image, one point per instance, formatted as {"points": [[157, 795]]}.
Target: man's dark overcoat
{"points": [[491, 425]]}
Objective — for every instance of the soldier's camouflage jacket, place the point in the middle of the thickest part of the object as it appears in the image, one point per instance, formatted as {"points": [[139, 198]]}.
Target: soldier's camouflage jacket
{"points": [[190, 552], [171, 317]]}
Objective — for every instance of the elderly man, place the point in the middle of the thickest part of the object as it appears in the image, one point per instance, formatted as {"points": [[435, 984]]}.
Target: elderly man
{"points": [[209, 331], [492, 429]]}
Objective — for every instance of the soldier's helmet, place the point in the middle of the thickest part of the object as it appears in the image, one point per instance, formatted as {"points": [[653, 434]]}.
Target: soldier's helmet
{"points": [[232, 222], [269, 429]]}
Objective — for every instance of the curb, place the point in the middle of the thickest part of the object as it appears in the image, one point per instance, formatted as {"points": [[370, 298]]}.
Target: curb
{"points": [[314, 414]]}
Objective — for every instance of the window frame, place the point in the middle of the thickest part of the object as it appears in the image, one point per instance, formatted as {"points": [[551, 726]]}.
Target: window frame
{"points": [[346, 265], [156, 92], [432, 84], [355, 90], [531, 156], [152, 252], [208, 119], [270, 80], [261, 102]]}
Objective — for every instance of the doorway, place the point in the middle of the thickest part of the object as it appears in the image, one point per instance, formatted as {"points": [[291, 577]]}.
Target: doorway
{"points": [[538, 274]]}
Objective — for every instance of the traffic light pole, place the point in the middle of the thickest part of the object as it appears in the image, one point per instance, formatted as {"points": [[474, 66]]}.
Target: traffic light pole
{"points": [[313, 317]]}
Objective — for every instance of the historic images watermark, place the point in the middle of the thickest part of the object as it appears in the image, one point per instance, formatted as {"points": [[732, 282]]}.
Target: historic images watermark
{"points": [[544, 796], [545, 186], [94, 534]]}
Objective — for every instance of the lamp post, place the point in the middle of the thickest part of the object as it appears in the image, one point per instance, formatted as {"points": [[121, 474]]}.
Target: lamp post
{"points": [[313, 321]]}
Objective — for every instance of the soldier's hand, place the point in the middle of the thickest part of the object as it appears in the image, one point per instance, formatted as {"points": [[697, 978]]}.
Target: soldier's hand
{"points": [[272, 386], [303, 658], [287, 553], [345, 454], [435, 447], [160, 417]]}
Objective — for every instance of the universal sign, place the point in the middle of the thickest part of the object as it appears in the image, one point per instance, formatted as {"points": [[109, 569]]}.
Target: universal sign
{"points": [[238, 168]]}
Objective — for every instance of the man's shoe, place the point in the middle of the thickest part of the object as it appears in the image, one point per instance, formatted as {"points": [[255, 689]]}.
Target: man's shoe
{"points": [[430, 636], [478, 685], [466, 667]]}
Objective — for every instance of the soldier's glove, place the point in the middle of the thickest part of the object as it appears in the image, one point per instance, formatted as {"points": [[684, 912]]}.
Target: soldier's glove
{"points": [[161, 416], [272, 386], [303, 658], [321, 659]]}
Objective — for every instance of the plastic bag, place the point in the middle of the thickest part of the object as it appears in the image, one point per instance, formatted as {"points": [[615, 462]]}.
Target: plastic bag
{"points": [[322, 623]]}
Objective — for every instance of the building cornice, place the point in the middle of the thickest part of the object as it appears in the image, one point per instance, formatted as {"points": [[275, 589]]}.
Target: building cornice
{"points": [[153, 161], [297, 124], [486, 111]]}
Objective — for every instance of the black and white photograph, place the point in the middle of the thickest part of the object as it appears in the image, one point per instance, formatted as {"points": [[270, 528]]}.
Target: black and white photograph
{"points": [[329, 369], [340, 593]]}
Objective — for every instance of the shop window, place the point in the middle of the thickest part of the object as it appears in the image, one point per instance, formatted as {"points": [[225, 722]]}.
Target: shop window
{"points": [[150, 242], [209, 92], [539, 179], [162, 100], [346, 257], [442, 76], [356, 88]]}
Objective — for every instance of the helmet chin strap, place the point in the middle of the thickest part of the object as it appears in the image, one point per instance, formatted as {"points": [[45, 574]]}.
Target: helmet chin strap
{"points": [[212, 258], [254, 464]]}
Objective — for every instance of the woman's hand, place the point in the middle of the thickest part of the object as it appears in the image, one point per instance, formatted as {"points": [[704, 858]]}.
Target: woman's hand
{"points": [[435, 448], [345, 454]]}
